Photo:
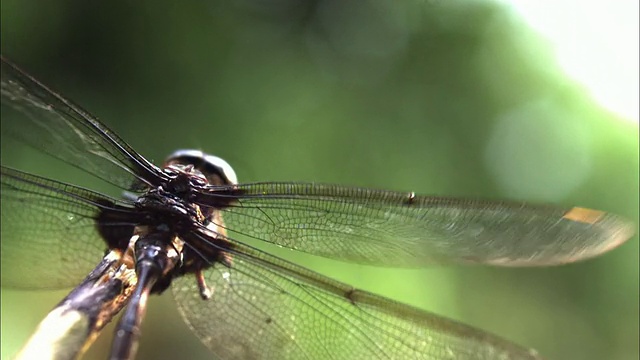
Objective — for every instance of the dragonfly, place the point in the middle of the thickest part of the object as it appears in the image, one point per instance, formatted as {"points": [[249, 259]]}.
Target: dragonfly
{"points": [[180, 228]]}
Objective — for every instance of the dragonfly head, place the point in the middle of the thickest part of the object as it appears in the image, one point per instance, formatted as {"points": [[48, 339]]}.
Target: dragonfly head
{"points": [[215, 170]]}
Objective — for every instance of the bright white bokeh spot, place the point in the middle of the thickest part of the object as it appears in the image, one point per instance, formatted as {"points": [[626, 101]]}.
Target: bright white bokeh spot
{"points": [[538, 152], [595, 42]]}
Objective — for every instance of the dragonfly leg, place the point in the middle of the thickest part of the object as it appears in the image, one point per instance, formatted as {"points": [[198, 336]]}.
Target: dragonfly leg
{"points": [[205, 291]]}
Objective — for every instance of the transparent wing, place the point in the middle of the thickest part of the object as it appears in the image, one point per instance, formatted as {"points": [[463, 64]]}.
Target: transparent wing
{"points": [[49, 234], [265, 308], [400, 229], [44, 120]]}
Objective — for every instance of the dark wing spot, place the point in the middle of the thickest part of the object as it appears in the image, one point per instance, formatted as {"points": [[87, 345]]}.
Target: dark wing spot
{"points": [[350, 295], [410, 198]]}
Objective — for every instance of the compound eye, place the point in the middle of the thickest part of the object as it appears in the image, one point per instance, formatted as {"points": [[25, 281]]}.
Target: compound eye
{"points": [[223, 168], [215, 169]]}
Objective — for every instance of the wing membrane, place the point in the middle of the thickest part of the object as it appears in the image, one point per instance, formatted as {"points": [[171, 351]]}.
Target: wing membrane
{"points": [[266, 308], [49, 237], [42, 119], [400, 229]]}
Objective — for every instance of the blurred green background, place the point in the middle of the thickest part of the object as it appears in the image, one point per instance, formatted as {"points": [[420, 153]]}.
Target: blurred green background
{"points": [[449, 98]]}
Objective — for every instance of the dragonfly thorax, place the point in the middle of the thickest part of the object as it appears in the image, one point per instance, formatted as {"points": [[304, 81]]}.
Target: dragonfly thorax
{"points": [[168, 209]]}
